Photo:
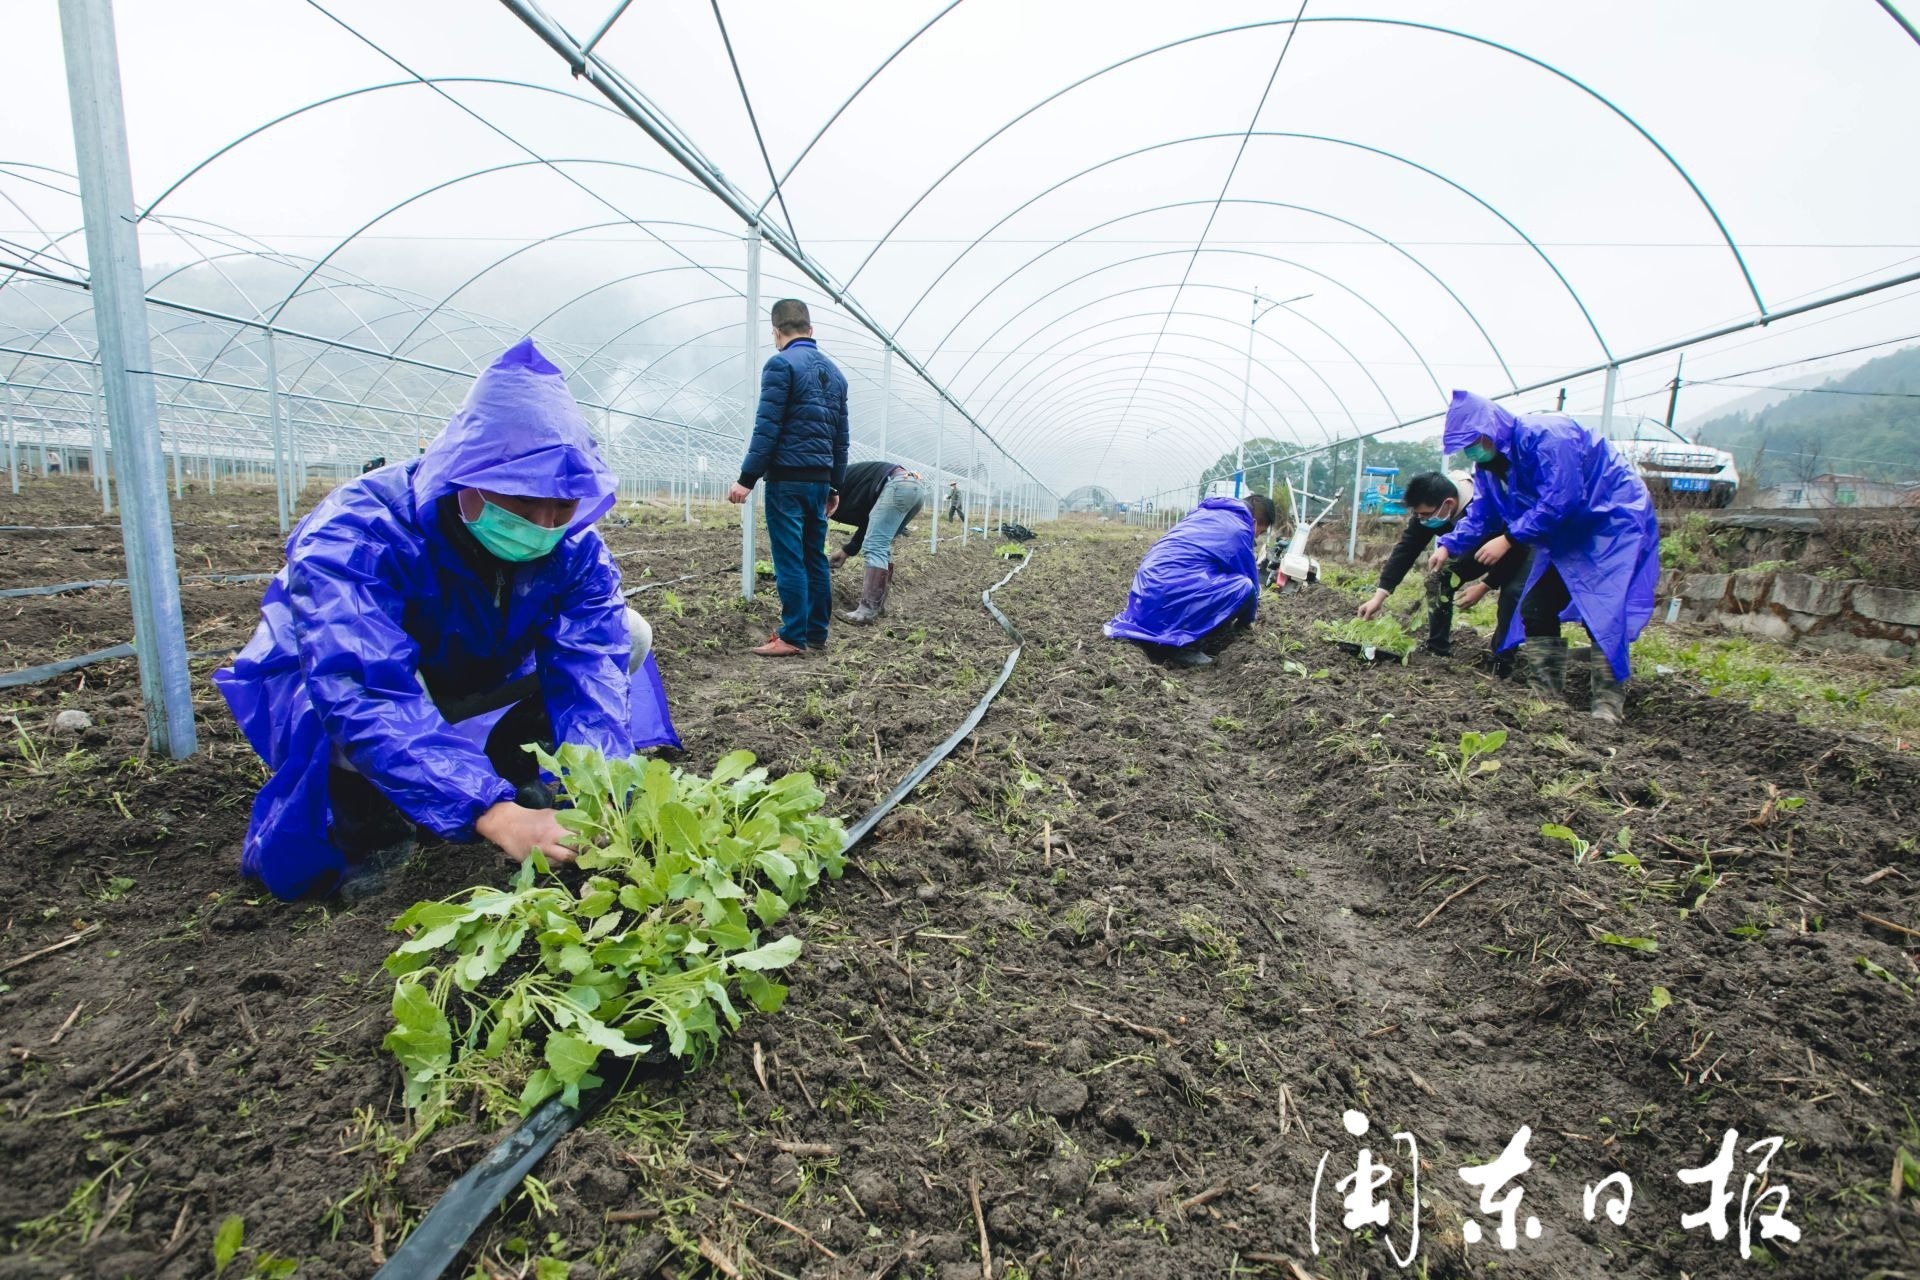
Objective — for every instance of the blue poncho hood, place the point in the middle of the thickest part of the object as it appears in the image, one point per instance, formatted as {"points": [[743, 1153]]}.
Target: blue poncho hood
{"points": [[520, 433], [1471, 416]]}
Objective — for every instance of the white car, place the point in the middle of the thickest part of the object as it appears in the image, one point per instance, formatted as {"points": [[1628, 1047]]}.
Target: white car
{"points": [[1673, 466]]}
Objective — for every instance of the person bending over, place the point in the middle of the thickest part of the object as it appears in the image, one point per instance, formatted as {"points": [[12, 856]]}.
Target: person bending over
{"points": [[432, 618], [877, 499], [1200, 577], [1435, 504], [1564, 490]]}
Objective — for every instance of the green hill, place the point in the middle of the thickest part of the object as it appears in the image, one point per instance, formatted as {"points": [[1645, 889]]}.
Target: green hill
{"points": [[1865, 422]]}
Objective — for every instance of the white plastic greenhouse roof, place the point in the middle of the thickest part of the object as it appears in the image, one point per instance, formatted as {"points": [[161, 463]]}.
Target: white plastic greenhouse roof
{"points": [[1063, 213]]}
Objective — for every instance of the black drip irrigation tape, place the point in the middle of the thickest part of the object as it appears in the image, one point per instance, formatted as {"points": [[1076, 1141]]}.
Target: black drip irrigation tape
{"points": [[90, 584], [444, 1232], [54, 670]]}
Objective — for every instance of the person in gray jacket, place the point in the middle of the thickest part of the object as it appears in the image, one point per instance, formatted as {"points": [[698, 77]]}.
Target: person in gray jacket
{"points": [[878, 500]]}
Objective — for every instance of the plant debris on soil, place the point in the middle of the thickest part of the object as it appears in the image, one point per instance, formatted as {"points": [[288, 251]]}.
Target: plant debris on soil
{"points": [[1095, 1002]]}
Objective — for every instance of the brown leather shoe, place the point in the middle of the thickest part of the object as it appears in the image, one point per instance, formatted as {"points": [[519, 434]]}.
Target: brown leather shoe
{"points": [[775, 647]]}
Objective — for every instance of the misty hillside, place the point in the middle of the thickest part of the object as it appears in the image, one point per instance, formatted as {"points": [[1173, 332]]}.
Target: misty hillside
{"points": [[1866, 422]]}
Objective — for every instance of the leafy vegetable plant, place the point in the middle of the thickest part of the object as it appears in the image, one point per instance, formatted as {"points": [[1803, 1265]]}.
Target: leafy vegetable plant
{"points": [[1382, 635], [647, 950], [1473, 746]]}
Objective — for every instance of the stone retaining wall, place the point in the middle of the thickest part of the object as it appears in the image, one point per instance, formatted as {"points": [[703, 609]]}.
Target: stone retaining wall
{"points": [[1801, 609]]}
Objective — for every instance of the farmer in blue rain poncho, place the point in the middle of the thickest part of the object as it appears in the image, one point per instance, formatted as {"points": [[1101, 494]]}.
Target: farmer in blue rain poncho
{"points": [[1566, 492], [433, 617], [1197, 579]]}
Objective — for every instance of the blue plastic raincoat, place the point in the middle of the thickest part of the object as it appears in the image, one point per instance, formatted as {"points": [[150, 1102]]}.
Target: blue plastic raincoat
{"points": [[374, 597], [1200, 575], [1569, 494]]}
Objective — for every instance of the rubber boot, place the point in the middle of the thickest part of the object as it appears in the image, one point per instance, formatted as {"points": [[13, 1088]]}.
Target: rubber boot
{"points": [[1609, 694], [1544, 658], [873, 597]]}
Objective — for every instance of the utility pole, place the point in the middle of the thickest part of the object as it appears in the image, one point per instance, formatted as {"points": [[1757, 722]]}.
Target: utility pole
{"points": [[1673, 396], [126, 357]]}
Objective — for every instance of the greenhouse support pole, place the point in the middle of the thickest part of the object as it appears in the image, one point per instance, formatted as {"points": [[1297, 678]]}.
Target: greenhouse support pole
{"points": [[886, 396], [13, 455], [1353, 516], [211, 469], [686, 467], [1606, 403], [939, 464], [98, 459], [126, 356], [749, 397], [273, 428], [177, 492], [973, 473]]}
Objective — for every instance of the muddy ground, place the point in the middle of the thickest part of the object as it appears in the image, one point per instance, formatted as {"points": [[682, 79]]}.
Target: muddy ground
{"points": [[1119, 969]]}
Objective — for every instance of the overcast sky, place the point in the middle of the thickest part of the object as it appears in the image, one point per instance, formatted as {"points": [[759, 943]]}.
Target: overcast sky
{"points": [[1085, 331]]}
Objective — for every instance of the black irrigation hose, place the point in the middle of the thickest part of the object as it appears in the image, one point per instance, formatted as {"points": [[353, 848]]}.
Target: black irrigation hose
{"points": [[444, 1232], [64, 588], [53, 670]]}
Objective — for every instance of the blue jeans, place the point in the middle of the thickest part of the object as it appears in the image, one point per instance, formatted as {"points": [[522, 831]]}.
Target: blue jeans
{"points": [[899, 502], [797, 530]]}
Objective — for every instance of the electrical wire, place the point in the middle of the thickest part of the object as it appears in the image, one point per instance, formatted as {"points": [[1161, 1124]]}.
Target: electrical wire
{"points": [[1802, 391]]}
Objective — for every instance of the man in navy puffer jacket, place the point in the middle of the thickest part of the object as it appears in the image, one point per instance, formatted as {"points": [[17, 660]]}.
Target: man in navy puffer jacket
{"points": [[799, 448]]}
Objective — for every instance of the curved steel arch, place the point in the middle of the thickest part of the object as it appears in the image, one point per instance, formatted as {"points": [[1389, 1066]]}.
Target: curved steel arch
{"points": [[531, 245], [1077, 395], [1019, 412], [1279, 204], [1595, 94], [838, 111], [1510, 224], [419, 82], [544, 162], [1026, 415], [1322, 330], [1387, 400], [1028, 379], [1265, 257]]}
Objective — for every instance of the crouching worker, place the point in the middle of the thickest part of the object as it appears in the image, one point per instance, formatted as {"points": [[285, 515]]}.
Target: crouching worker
{"points": [[432, 619], [1435, 505], [1565, 491], [877, 499], [1198, 578]]}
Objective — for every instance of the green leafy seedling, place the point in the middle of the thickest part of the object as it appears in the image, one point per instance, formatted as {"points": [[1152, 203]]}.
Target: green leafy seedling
{"points": [[1473, 750], [1633, 944], [1873, 970], [1554, 831], [522, 992], [227, 1240]]}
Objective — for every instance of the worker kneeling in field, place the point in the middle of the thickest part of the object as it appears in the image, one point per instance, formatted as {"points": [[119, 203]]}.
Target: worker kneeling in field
{"points": [[433, 617], [1566, 492], [1436, 503], [876, 499], [1199, 577]]}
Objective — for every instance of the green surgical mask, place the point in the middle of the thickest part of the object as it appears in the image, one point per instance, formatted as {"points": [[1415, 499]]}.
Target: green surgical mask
{"points": [[1477, 452], [511, 537]]}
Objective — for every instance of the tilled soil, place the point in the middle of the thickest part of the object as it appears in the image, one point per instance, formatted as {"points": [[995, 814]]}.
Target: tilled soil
{"points": [[1116, 973]]}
